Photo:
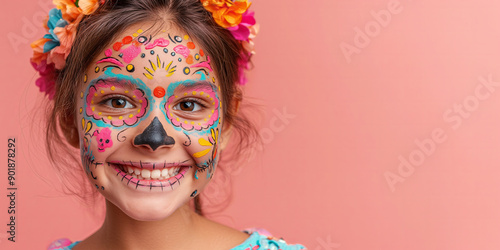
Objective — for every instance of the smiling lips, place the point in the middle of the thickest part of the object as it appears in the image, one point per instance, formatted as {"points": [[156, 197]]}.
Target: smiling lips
{"points": [[149, 170], [150, 174]]}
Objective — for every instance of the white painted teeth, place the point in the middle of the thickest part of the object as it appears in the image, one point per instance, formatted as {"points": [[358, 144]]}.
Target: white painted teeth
{"points": [[156, 174]]}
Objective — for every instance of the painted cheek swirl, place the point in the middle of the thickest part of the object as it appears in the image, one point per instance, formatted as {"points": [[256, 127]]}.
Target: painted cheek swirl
{"points": [[101, 88], [201, 91]]}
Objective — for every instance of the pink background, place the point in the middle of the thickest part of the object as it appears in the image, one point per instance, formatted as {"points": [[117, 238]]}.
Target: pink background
{"points": [[320, 179]]}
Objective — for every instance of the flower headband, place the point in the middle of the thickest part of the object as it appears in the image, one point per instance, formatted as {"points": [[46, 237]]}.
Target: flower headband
{"points": [[50, 52]]}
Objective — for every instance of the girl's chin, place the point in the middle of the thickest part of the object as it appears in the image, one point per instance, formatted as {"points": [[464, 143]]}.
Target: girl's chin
{"points": [[144, 212]]}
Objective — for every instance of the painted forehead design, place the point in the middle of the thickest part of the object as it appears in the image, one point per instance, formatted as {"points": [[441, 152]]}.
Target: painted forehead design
{"points": [[178, 49]]}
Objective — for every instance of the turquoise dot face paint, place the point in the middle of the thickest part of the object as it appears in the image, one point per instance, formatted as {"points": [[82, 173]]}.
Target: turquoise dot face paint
{"points": [[151, 122]]}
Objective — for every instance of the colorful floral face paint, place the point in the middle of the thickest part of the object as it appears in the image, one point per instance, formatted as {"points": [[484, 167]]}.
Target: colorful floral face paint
{"points": [[151, 113], [202, 90], [102, 89]]}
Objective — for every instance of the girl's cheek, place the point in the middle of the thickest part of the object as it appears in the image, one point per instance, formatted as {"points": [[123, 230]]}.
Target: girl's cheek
{"points": [[204, 150]]}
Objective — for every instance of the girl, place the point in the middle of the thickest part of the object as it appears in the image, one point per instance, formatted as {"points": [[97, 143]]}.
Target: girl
{"points": [[149, 90]]}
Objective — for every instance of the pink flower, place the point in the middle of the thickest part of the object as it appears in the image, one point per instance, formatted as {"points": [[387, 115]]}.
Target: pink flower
{"points": [[47, 80], [242, 31]]}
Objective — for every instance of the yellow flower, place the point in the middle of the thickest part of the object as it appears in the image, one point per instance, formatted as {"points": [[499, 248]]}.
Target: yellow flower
{"points": [[225, 12]]}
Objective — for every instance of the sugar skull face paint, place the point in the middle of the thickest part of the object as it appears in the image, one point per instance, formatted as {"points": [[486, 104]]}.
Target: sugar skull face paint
{"points": [[151, 113]]}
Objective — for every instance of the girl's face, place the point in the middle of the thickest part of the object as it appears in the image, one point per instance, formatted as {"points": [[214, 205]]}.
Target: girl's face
{"points": [[150, 118]]}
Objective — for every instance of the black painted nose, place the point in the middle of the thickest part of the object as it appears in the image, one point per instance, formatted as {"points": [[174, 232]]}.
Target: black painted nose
{"points": [[154, 136]]}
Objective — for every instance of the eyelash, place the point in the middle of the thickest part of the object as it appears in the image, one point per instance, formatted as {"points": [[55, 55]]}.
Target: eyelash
{"points": [[110, 98], [193, 100]]}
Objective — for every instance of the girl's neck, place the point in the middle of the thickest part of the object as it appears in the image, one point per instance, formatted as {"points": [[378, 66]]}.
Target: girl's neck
{"points": [[177, 231]]}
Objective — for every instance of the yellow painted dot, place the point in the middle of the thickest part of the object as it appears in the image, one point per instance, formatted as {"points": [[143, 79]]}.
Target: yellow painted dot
{"points": [[211, 99], [139, 31], [175, 96], [170, 106], [81, 110], [100, 113], [126, 91], [120, 117], [85, 78], [213, 79], [199, 124], [93, 108], [194, 92], [135, 34], [219, 88], [110, 118], [192, 123], [177, 118], [95, 94], [96, 69], [205, 119], [130, 68], [208, 96], [185, 93], [140, 101], [139, 111], [201, 93], [81, 94], [130, 116], [92, 102], [133, 96], [213, 111], [213, 103], [186, 37], [102, 91], [186, 122], [170, 114], [209, 116], [113, 88]]}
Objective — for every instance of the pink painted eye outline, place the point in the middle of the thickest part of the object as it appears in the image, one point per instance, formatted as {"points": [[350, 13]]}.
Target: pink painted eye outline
{"points": [[185, 122], [129, 119]]}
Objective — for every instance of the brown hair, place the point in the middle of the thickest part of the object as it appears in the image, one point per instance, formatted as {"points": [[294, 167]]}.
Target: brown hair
{"points": [[98, 30]]}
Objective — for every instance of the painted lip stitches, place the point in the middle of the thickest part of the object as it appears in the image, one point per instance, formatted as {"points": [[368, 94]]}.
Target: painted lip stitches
{"points": [[178, 170], [150, 165]]}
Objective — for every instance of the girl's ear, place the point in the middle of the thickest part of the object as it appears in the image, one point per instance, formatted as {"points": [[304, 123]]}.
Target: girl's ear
{"points": [[70, 131]]}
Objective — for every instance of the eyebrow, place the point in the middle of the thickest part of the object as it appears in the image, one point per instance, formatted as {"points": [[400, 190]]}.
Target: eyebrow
{"points": [[126, 84], [196, 84]]}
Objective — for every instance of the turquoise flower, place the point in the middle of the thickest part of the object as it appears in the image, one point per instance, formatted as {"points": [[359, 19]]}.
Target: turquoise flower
{"points": [[55, 20]]}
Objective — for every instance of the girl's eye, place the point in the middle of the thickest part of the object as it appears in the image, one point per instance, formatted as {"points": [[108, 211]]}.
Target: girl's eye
{"points": [[190, 106], [118, 103]]}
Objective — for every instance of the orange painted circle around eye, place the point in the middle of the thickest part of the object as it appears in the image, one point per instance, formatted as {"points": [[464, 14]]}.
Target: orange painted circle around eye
{"points": [[159, 92]]}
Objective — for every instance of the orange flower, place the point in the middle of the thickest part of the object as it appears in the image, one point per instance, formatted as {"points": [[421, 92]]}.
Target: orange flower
{"points": [[38, 54], [66, 37], [225, 12], [68, 8], [88, 6], [70, 11]]}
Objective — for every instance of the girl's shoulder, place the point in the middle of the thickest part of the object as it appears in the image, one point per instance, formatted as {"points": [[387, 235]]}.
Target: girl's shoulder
{"points": [[259, 239], [262, 240]]}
